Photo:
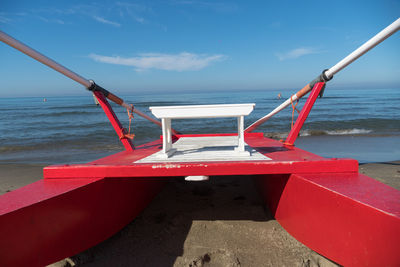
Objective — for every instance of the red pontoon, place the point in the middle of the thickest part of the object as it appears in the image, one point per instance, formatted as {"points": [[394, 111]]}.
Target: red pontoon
{"points": [[324, 203]]}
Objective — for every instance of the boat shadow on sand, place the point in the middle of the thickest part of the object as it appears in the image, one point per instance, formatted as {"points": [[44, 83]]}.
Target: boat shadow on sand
{"points": [[220, 222]]}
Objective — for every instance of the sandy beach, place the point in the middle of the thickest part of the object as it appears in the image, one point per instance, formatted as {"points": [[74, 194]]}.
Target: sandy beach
{"points": [[221, 222]]}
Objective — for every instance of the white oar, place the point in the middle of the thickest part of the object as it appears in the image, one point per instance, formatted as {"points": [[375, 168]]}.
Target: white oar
{"points": [[89, 84], [328, 74]]}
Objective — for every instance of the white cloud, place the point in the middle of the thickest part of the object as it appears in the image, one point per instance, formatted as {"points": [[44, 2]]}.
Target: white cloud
{"points": [[225, 7], [173, 62], [140, 20], [298, 52], [59, 21], [114, 14], [103, 20], [4, 18], [134, 11]]}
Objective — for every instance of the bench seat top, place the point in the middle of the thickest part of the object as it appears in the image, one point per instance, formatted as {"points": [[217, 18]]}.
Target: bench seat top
{"points": [[202, 111]]}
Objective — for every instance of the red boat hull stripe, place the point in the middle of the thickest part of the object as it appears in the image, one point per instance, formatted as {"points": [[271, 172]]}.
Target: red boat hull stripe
{"points": [[204, 168]]}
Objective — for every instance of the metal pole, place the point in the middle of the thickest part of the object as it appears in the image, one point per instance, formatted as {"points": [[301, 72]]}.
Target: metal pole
{"points": [[43, 59], [74, 76], [371, 43], [328, 74]]}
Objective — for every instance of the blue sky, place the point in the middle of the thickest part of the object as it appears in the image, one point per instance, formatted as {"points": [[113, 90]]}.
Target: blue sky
{"points": [[184, 45]]}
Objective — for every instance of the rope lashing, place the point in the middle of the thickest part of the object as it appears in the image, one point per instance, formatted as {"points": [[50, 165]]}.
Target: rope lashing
{"points": [[294, 108], [292, 124], [131, 117]]}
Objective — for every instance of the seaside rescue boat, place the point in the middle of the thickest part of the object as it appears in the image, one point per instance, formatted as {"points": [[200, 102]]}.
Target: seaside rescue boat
{"points": [[325, 203]]}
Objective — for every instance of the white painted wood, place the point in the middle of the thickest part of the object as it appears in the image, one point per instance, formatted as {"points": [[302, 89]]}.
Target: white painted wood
{"points": [[167, 113], [164, 134], [241, 134], [202, 111], [205, 149], [169, 134], [167, 138]]}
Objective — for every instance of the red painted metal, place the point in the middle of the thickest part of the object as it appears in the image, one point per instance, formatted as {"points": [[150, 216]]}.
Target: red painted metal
{"points": [[324, 203], [304, 113], [126, 142], [49, 220], [202, 168], [349, 218], [283, 160]]}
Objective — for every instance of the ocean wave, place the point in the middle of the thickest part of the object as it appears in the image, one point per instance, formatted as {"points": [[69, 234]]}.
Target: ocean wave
{"points": [[349, 132], [76, 145], [48, 115], [355, 131]]}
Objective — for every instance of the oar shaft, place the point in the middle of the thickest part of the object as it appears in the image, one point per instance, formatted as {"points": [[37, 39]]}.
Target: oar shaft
{"points": [[371, 43], [328, 74], [282, 106], [147, 117], [74, 76], [43, 59]]}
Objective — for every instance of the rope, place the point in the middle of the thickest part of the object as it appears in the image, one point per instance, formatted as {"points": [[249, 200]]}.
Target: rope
{"points": [[294, 108], [292, 124], [130, 115]]}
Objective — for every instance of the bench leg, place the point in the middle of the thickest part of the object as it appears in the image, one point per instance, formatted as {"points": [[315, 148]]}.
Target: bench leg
{"points": [[241, 134], [165, 136], [169, 134]]}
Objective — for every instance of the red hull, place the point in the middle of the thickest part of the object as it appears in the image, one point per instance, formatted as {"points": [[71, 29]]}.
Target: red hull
{"points": [[349, 218], [324, 203], [52, 219]]}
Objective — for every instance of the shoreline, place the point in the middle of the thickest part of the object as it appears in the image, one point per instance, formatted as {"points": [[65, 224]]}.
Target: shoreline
{"points": [[364, 148], [16, 175], [221, 222]]}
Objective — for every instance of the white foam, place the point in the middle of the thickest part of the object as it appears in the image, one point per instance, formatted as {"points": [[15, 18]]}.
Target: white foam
{"points": [[349, 132]]}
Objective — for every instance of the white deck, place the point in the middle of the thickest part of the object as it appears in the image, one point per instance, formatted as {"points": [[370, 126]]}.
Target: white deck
{"points": [[204, 149]]}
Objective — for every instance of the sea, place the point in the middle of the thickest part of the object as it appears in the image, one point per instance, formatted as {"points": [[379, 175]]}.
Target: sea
{"points": [[345, 123]]}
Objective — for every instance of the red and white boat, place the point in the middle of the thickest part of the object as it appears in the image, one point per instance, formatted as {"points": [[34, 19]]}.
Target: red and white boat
{"points": [[325, 203]]}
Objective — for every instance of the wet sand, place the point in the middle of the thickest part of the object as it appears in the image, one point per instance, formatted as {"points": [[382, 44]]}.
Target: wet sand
{"points": [[221, 222], [13, 176]]}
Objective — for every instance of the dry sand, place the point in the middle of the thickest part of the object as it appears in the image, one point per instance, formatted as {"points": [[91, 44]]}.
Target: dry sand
{"points": [[220, 222]]}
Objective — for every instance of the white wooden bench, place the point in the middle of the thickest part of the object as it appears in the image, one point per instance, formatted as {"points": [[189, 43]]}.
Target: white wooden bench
{"points": [[167, 113]]}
